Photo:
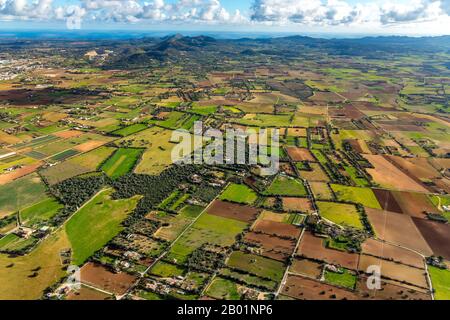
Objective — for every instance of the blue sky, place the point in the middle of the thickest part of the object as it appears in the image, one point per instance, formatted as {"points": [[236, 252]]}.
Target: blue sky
{"points": [[428, 17]]}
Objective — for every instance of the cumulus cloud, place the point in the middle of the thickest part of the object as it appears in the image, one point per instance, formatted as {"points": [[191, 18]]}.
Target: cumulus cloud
{"points": [[305, 12], [340, 12]]}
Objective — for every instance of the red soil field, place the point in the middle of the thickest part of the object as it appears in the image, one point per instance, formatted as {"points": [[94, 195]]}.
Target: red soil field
{"points": [[233, 211], [100, 277], [272, 246], [16, 174], [277, 228], [306, 289], [397, 229], [437, 235], [299, 154], [390, 252], [312, 247]]}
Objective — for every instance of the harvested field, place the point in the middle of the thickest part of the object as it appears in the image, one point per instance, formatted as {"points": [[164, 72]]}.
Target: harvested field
{"points": [[419, 168], [100, 277], [86, 293], [326, 96], [390, 290], [306, 289], [299, 154], [90, 145], [389, 176], [437, 236], [277, 228], [321, 190], [68, 134], [233, 211], [274, 216], [272, 246], [312, 247], [398, 229], [395, 271], [316, 174], [386, 200], [414, 204], [296, 132], [306, 267], [297, 204], [394, 253]]}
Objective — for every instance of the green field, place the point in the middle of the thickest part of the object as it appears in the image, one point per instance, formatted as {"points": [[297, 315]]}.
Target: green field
{"points": [[223, 289], [40, 212], [97, 222], [239, 193], [344, 279], [126, 131], [340, 213], [286, 186], [441, 282], [249, 279], [12, 242], [207, 229], [257, 265], [121, 162], [164, 270], [364, 196], [21, 193]]}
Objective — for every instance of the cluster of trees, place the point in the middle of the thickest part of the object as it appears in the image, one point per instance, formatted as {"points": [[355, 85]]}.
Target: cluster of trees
{"points": [[207, 260], [73, 192], [205, 193], [154, 189]]}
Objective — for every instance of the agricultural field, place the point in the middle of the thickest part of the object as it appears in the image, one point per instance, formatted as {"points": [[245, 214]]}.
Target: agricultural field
{"points": [[340, 213], [121, 162], [88, 177], [239, 193]]}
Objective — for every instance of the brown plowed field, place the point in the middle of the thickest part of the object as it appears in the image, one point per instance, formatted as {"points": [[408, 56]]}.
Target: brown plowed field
{"points": [[395, 271], [299, 154], [100, 277], [277, 228], [389, 176], [387, 200], [389, 291], [390, 252], [398, 229], [312, 247], [306, 289], [86, 293], [273, 247], [437, 235], [297, 204], [306, 267], [233, 211], [414, 204]]}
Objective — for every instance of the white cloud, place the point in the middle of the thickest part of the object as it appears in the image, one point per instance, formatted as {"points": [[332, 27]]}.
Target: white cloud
{"points": [[340, 12], [262, 12]]}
